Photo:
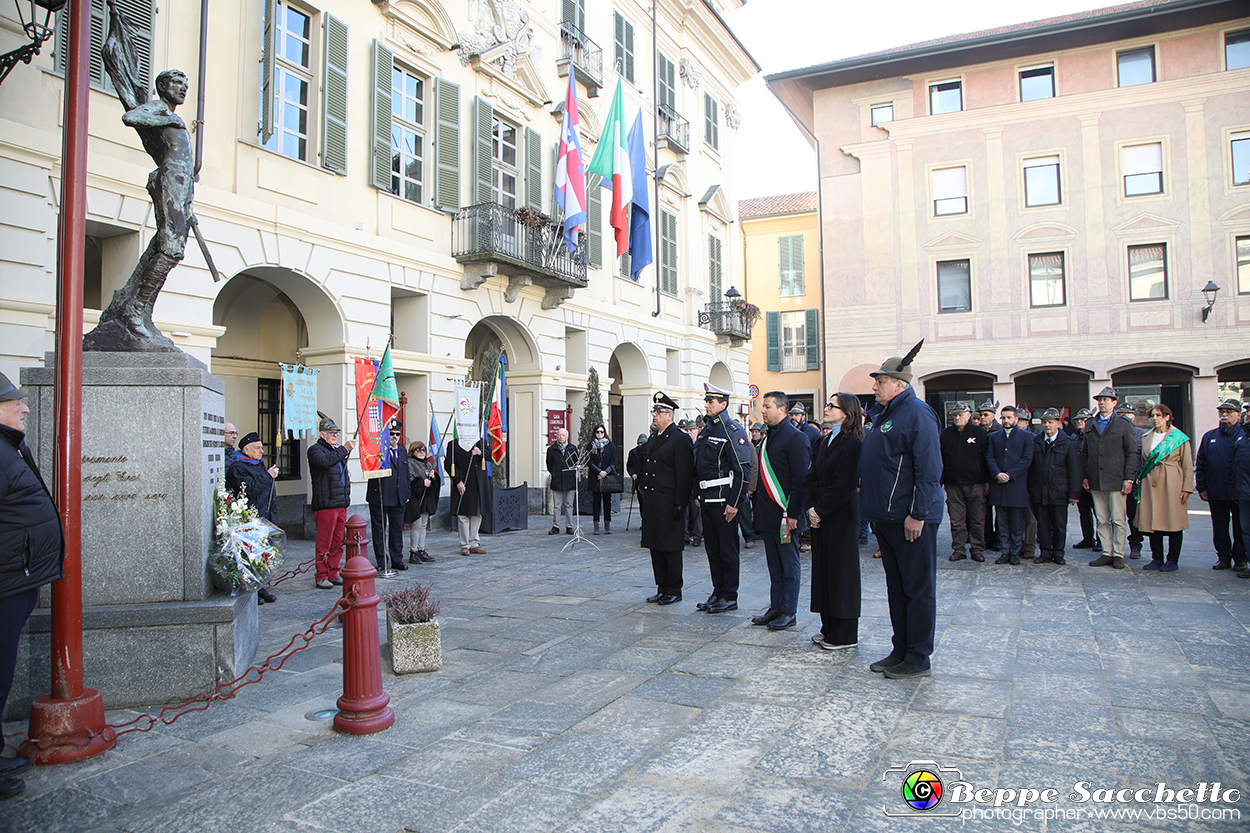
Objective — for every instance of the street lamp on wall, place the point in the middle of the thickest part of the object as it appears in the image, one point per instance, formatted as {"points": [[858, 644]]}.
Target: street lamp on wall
{"points": [[39, 33], [1209, 292]]}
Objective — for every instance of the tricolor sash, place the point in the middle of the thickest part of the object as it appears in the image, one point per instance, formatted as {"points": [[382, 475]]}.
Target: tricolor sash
{"points": [[772, 487]]}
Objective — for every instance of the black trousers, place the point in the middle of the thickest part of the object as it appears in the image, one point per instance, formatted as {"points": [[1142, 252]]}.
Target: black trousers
{"points": [[388, 520], [1085, 510], [1174, 539], [720, 540], [1224, 512], [1052, 528], [598, 499], [14, 611], [667, 569], [911, 588]]}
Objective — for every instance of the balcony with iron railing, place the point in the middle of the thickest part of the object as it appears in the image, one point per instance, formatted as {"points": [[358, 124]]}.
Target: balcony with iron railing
{"points": [[523, 245], [583, 55], [732, 317], [674, 131]]}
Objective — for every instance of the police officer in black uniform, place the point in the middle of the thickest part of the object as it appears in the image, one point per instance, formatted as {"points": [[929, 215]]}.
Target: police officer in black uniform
{"points": [[722, 467]]}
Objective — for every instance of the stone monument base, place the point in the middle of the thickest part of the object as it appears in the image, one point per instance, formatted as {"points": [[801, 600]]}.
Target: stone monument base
{"points": [[139, 655]]}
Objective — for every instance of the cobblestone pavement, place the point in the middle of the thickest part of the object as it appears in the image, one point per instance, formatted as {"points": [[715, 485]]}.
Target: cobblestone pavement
{"points": [[565, 703]]}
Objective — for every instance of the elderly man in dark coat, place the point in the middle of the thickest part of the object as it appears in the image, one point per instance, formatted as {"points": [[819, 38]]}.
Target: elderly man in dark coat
{"points": [[387, 497], [1214, 482], [562, 466], [666, 483], [1054, 482], [32, 550], [467, 474], [1008, 456]]}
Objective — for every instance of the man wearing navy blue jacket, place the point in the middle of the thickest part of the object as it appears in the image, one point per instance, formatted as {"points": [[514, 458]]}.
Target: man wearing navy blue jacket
{"points": [[1214, 482], [784, 459], [901, 469]]}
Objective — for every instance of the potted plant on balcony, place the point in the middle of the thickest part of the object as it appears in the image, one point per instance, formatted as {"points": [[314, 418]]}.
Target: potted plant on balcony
{"points": [[412, 630]]}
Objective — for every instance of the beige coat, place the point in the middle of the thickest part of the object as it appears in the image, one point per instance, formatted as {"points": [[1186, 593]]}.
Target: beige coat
{"points": [[1160, 508]]}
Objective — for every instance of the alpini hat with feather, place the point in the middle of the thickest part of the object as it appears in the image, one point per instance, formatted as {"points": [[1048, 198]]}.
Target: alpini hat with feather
{"points": [[899, 367]]}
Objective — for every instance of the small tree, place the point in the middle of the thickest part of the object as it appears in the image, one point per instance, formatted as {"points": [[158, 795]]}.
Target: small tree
{"points": [[592, 414]]}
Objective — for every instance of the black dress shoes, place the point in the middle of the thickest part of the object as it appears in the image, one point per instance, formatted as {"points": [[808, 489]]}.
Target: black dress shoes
{"points": [[884, 663], [783, 621], [399, 566], [1083, 545], [905, 671], [1002, 559], [555, 530], [957, 556], [10, 787], [654, 598], [978, 557], [705, 605], [672, 598], [1014, 560], [13, 766], [765, 617], [722, 605]]}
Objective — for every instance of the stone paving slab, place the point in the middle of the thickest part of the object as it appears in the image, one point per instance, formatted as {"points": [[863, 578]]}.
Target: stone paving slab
{"points": [[565, 703]]}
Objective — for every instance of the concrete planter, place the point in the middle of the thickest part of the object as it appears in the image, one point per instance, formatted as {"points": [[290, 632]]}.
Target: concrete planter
{"points": [[415, 647]]}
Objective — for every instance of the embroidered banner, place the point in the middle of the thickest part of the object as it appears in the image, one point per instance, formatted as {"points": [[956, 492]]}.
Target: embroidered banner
{"points": [[299, 400], [468, 413]]}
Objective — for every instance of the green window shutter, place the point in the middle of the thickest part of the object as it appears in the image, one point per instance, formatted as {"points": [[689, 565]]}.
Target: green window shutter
{"points": [[447, 144], [268, 59], [790, 264], [668, 253], [383, 66], [668, 87], [796, 263], [533, 169], [574, 11], [334, 98], [773, 324], [483, 138], [711, 127], [714, 269], [813, 340], [138, 12], [594, 218], [623, 37]]}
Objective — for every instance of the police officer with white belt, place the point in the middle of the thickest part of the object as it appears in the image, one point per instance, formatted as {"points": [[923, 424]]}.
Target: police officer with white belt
{"points": [[722, 466]]}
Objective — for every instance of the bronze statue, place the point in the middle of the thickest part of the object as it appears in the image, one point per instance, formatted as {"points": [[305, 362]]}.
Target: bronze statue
{"points": [[126, 325]]}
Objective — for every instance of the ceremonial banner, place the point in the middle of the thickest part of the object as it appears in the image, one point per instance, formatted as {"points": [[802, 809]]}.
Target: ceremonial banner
{"points": [[373, 413], [468, 414], [299, 399], [495, 425]]}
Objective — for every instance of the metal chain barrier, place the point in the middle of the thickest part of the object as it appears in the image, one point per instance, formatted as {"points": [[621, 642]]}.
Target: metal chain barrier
{"points": [[301, 568], [201, 701]]}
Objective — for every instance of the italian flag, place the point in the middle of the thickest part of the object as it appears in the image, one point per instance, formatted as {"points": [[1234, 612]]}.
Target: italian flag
{"points": [[494, 425], [611, 161]]}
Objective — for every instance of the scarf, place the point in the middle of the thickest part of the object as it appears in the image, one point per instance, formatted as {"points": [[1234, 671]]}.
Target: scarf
{"points": [[1171, 441]]}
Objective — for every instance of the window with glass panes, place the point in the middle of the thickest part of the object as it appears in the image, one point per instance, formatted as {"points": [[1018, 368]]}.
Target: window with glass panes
{"points": [[1237, 49], [1041, 181], [1243, 265], [882, 114], [268, 424], [954, 278], [794, 341], [950, 191], [1046, 280], [1143, 169], [504, 173], [946, 97], [1135, 66], [407, 134], [292, 82], [1240, 148], [1148, 272], [1037, 83]]}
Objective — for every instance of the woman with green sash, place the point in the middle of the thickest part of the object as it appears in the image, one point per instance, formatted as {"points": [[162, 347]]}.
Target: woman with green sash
{"points": [[1163, 488]]}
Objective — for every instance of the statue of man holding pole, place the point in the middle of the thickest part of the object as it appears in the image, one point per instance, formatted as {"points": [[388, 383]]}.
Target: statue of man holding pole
{"points": [[126, 325]]}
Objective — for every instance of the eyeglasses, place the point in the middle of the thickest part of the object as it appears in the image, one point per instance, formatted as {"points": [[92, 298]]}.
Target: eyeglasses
{"points": [[831, 406], [599, 431]]}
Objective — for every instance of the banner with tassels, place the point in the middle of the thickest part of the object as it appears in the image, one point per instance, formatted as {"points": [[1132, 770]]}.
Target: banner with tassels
{"points": [[299, 400]]}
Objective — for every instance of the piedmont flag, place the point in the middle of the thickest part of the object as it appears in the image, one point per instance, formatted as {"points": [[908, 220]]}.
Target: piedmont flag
{"points": [[611, 161], [640, 216], [494, 424], [570, 176]]}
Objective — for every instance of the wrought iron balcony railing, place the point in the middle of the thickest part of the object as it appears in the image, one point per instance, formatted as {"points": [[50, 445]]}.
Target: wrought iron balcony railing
{"points": [[727, 318], [584, 55], [674, 131], [523, 245]]}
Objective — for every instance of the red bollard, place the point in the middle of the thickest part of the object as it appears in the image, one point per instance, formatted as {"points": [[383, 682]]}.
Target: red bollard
{"points": [[363, 707]]}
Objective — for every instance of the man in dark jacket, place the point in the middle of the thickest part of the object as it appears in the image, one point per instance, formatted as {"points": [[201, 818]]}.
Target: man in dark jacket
{"points": [[1214, 482], [1110, 457], [900, 474], [562, 466], [785, 457], [1008, 456], [386, 497], [32, 550], [722, 464], [1054, 482], [987, 412], [467, 476], [966, 480], [667, 480], [1240, 477], [635, 462], [1085, 503], [331, 495]]}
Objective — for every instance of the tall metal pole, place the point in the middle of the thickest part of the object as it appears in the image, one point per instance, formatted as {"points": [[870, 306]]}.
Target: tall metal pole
{"points": [[71, 713], [657, 215]]}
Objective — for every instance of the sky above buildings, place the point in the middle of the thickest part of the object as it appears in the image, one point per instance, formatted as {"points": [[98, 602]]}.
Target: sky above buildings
{"points": [[773, 156]]}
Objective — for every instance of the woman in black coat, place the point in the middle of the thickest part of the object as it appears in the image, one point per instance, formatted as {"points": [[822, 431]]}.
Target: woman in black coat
{"points": [[831, 499], [601, 463], [423, 490]]}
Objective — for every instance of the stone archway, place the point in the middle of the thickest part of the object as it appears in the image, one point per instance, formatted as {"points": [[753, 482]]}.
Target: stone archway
{"points": [[523, 399], [273, 315], [630, 394]]}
